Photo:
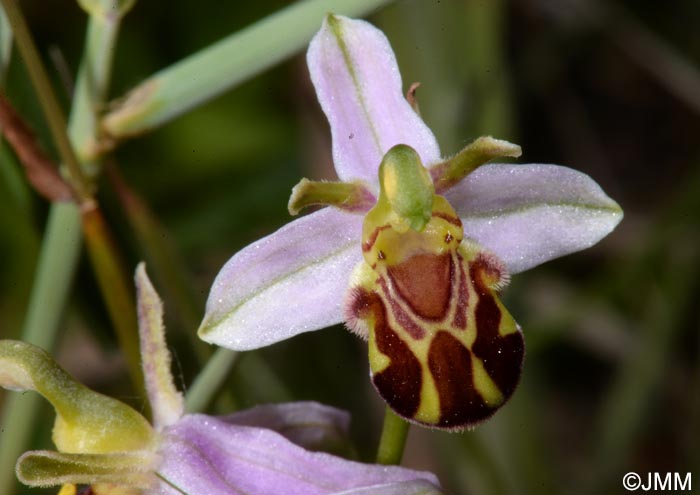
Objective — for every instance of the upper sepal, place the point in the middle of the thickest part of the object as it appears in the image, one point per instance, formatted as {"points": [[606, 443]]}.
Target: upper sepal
{"points": [[358, 85]]}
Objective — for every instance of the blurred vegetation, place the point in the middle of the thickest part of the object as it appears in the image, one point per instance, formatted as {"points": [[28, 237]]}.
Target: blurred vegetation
{"points": [[611, 382]]}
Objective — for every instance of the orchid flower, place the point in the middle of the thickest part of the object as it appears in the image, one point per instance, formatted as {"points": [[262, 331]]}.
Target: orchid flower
{"points": [[107, 444], [414, 249]]}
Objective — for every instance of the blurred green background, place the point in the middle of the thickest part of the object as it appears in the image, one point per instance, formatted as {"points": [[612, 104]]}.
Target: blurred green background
{"points": [[611, 382]]}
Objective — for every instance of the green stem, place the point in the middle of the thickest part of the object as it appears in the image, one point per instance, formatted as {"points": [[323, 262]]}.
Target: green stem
{"points": [[208, 73], [210, 380], [91, 88], [56, 266], [47, 97], [393, 439], [57, 261]]}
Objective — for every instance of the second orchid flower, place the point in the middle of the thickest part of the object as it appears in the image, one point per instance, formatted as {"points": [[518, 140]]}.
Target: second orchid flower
{"points": [[106, 444]]}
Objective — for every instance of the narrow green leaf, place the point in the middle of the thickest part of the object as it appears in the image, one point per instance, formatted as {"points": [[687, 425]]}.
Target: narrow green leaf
{"points": [[91, 88]]}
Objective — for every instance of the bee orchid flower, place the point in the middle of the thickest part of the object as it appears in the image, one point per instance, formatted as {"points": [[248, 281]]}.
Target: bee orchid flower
{"points": [[413, 249], [106, 444]]}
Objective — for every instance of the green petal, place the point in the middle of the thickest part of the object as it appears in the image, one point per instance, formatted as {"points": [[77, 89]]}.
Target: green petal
{"points": [[453, 170], [353, 197]]}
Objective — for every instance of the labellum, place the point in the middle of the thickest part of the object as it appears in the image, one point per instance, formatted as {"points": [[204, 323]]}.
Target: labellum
{"points": [[443, 350]]}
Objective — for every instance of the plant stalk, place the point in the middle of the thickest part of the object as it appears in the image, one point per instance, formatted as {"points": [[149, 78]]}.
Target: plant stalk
{"points": [[61, 245], [393, 439], [47, 97]]}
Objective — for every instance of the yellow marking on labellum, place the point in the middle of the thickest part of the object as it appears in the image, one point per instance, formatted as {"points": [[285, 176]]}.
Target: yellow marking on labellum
{"points": [[485, 385], [429, 409], [443, 351], [381, 361]]}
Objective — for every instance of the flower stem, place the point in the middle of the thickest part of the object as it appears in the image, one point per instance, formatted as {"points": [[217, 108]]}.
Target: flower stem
{"points": [[393, 439]]}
